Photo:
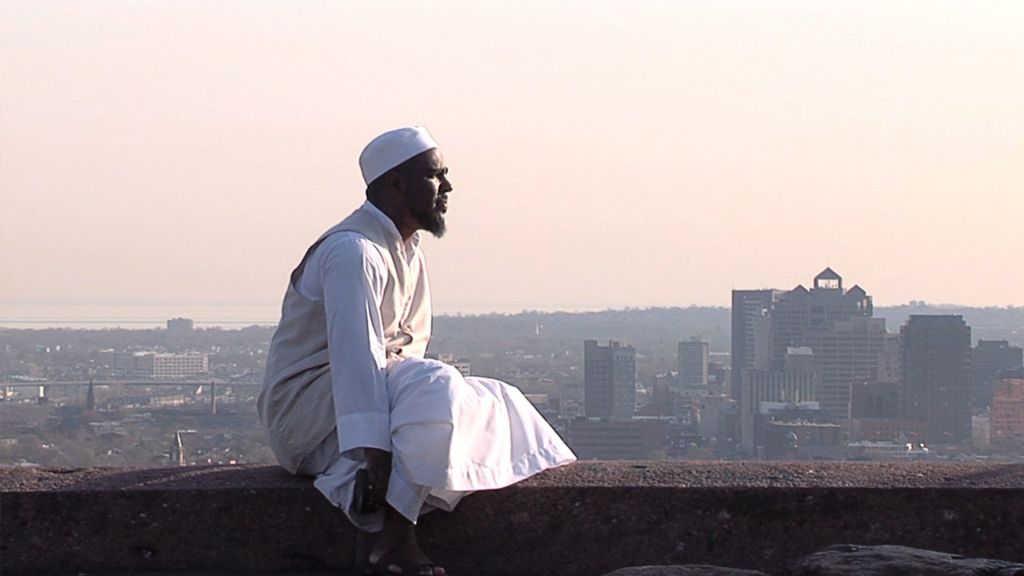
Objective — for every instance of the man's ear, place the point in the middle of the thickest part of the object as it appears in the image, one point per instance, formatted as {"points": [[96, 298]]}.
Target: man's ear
{"points": [[394, 180]]}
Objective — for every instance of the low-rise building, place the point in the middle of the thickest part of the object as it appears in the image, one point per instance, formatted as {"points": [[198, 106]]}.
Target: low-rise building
{"points": [[180, 365], [1007, 417], [638, 439]]}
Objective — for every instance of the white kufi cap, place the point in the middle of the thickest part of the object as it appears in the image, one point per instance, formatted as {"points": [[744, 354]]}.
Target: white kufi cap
{"points": [[391, 149]]}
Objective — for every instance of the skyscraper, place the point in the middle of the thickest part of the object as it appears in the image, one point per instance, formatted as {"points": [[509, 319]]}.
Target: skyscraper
{"points": [[847, 342], [693, 363], [937, 376], [751, 322], [609, 376], [801, 312]]}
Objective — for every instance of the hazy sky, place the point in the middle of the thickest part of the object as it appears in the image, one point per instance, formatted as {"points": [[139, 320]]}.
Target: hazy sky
{"points": [[604, 154]]}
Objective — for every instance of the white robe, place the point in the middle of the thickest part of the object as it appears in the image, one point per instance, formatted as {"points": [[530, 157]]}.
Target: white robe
{"points": [[448, 435]]}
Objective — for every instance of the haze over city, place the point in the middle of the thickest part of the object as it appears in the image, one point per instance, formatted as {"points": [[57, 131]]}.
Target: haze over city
{"points": [[604, 154]]}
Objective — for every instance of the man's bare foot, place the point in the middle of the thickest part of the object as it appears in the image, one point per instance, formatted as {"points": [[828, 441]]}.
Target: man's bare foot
{"points": [[406, 559], [397, 552]]}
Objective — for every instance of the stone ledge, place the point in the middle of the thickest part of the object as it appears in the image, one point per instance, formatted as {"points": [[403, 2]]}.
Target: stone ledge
{"points": [[586, 519]]}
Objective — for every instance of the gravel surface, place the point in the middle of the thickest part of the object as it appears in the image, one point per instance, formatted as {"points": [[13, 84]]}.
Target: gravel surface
{"points": [[787, 474], [589, 474]]}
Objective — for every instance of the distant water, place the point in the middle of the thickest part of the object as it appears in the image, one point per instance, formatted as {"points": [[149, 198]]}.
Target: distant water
{"points": [[144, 316], [99, 316]]}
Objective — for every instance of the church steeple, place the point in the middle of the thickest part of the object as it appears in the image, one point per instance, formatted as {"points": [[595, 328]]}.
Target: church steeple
{"points": [[90, 398]]}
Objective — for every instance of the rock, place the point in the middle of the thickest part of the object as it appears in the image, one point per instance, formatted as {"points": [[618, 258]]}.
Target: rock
{"points": [[851, 560], [683, 570]]}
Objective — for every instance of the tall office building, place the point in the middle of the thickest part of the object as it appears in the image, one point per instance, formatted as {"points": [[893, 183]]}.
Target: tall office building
{"points": [[693, 363], [751, 323], [802, 312], [837, 325], [609, 380], [937, 376], [988, 359]]}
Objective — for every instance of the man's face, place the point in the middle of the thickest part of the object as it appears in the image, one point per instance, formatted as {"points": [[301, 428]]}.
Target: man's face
{"points": [[426, 191]]}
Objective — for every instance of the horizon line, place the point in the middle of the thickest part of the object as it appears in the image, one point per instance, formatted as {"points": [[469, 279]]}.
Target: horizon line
{"points": [[55, 322]]}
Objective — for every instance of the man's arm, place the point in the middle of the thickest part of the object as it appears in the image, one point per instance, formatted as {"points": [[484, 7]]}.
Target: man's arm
{"points": [[351, 278]]}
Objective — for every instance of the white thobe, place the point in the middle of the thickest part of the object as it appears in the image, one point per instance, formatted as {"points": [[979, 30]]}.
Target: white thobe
{"points": [[448, 435], [355, 334]]}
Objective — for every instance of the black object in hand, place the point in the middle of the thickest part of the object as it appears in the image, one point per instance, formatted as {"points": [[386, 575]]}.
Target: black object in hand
{"points": [[363, 501]]}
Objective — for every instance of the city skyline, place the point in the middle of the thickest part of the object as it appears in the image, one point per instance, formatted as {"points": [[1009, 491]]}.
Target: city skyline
{"points": [[635, 398], [659, 155]]}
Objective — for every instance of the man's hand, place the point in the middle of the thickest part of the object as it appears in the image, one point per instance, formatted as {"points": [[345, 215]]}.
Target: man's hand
{"points": [[378, 464]]}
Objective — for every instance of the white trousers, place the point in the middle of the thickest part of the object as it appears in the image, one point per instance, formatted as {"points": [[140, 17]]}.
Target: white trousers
{"points": [[450, 436]]}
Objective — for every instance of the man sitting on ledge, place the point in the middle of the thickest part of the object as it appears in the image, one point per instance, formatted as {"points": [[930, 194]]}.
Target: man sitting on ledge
{"points": [[347, 386]]}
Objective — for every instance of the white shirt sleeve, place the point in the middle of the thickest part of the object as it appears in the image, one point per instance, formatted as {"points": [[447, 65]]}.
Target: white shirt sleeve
{"points": [[348, 274]]}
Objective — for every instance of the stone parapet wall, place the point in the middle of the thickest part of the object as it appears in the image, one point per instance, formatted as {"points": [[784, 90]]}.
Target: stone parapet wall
{"points": [[586, 519]]}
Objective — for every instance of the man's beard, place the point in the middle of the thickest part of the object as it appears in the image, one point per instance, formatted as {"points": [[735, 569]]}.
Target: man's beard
{"points": [[431, 220]]}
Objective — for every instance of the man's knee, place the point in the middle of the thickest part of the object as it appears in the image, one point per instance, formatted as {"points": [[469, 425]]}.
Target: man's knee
{"points": [[422, 371], [426, 386]]}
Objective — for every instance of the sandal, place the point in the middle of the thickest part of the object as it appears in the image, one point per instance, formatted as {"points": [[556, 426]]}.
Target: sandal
{"points": [[391, 563]]}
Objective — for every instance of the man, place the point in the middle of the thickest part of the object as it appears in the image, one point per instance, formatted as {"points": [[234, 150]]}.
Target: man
{"points": [[346, 383]]}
